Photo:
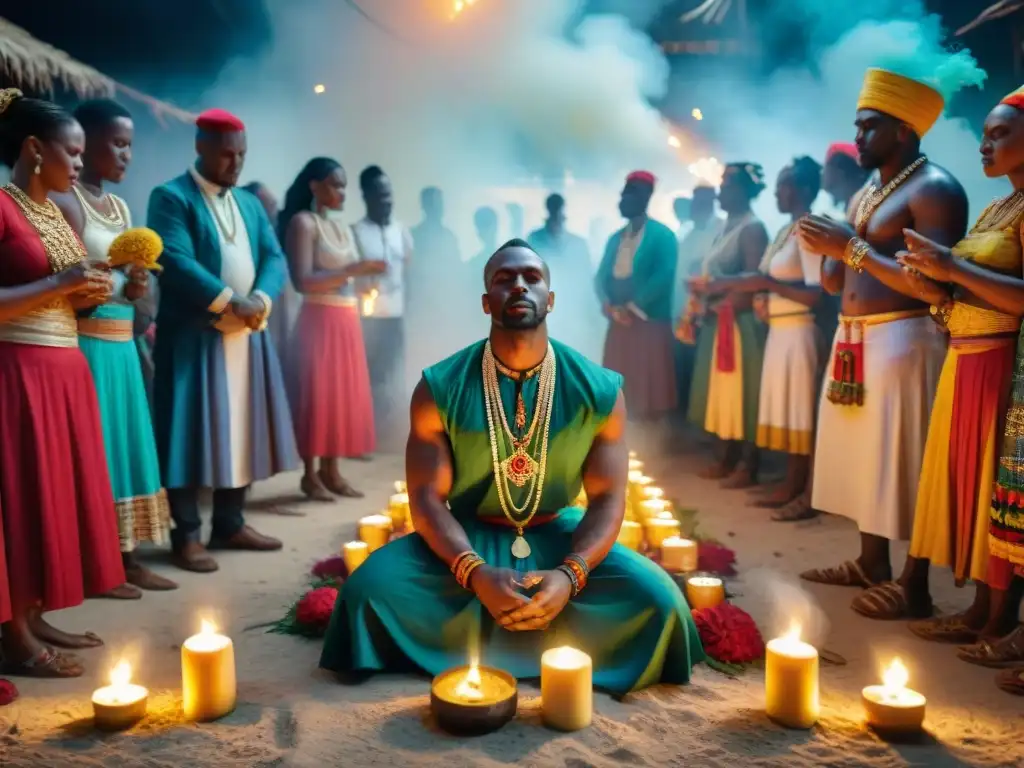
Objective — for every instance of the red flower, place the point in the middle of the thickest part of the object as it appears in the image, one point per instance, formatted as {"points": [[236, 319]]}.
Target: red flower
{"points": [[316, 606], [729, 634], [713, 557], [8, 692]]}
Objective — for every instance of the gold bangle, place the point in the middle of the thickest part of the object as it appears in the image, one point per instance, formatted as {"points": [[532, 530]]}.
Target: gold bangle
{"points": [[856, 251]]}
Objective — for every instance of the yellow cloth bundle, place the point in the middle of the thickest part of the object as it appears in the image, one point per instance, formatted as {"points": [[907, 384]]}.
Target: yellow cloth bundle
{"points": [[909, 101], [139, 246]]}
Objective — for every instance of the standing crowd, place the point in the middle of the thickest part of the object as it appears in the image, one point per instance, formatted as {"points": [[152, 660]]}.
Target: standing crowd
{"points": [[910, 424]]}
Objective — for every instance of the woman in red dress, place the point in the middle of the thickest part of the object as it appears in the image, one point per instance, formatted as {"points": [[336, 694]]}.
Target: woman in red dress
{"points": [[329, 382], [59, 536]]}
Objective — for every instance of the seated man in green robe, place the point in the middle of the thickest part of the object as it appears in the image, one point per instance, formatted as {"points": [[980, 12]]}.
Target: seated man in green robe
{"points": [[501, 567]]}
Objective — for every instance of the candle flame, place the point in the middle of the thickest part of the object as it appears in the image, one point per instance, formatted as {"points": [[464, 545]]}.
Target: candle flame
{"points": [[469, 688], [793, 635], [121, 674], [207, 628], [895, 678], [697, 114], [401, 487], [458, 6], [319, 88]]}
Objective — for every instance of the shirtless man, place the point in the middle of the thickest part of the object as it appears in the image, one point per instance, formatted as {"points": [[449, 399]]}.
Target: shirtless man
{"points": [[887, 352]]}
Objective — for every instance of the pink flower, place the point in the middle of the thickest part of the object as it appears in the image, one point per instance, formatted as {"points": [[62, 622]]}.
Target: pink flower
{"points": [[331, 568]]}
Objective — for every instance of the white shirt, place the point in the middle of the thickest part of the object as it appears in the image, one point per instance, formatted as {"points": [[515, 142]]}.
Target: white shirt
{"points": [[393, 244]]}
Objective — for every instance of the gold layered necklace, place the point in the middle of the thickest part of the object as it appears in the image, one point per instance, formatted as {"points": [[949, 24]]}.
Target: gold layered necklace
{"points": [[1002, 214], [113, 220], [513, 457], [63, 248], [874, 197]]}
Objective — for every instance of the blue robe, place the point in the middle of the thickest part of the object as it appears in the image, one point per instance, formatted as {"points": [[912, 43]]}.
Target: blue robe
{"points": [[191, 397]]}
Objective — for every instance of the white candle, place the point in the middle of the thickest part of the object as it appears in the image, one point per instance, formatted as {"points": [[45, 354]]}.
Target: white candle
{"points": [[658, 529], [375, 530], [566, 689], [704, 592], [631, 535], [791, 681], [120, 704], [679, 555], [354, 552], [208, 686], [892, 706]]}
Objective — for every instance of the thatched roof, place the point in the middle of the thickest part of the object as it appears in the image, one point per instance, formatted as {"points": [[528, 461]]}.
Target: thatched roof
{"points": [[37, 67], [999, 10]]}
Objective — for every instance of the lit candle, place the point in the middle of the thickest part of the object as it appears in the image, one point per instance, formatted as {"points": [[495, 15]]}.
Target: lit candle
{"points": [[637, 483], [208, 687], [635, 465], [631, 535], [375, 530], [679, 555], [658, 529], [120, 704], [654, 508], [892, 706], [473, 700], [704, 592], [354, 552], [791, 681], [566, 689], [654, 492], [398, 510]]}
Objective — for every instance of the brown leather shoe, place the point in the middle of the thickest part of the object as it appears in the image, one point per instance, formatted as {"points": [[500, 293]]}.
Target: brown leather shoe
{"points": [[247, 538], [194, 557], [143, 578]]}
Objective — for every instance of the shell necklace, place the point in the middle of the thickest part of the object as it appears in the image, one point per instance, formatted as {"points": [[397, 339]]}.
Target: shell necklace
{"points": [[512, 458]]}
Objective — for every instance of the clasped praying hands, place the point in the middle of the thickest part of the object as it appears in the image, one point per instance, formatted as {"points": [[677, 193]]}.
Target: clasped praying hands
{"points": [[498, 590]]}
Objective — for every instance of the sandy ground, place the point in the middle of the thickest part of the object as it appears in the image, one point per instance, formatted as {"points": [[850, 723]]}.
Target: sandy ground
{"points": [[291, 715]]}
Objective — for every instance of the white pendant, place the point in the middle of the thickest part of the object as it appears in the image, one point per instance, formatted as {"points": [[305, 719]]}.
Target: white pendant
{"points": [[520, 548]]}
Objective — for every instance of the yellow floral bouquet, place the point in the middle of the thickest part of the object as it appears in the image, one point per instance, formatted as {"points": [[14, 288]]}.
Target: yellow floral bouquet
{"points": [[136, 247]]}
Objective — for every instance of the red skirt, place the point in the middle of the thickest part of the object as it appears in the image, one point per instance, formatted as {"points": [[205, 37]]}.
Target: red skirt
{"points": [[643, 353], [329, 384], [59, 527]]}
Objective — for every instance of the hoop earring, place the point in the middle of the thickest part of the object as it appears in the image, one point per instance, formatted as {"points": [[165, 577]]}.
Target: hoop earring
{"points": [[39, 165]]}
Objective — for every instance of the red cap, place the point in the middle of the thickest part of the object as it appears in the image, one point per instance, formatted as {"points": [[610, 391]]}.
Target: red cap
{"points": [[644, 176], [219, 121], [842, 148], [1015, 100]]}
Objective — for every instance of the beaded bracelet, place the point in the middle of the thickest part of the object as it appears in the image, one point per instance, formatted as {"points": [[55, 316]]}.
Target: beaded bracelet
{"points": [[580, 571]]}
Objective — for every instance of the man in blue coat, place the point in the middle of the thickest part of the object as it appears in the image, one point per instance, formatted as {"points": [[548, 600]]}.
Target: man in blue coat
{"points": [[222, 418]]}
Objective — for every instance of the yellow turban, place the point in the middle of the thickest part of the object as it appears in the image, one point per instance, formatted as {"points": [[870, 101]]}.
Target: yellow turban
{"points": [[909, 101]]}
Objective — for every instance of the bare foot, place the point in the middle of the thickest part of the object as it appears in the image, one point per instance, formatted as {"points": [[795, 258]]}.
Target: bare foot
{"points": [[313, 488], [143, 578], [335, 483], [779, 498], [739, 480], [716, 471], [47, 633]]}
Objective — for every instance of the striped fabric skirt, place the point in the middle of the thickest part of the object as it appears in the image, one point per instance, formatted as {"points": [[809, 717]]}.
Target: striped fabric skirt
{"points": [[107, 341]]}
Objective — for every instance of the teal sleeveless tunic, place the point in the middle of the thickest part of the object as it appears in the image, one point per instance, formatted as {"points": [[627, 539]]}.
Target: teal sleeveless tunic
{"points": [[402, 610]]}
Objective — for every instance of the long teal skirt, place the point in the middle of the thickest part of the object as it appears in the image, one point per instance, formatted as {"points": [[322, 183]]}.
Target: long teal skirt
{"points": [[402, 610], [753, 335], [140, 503]]}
